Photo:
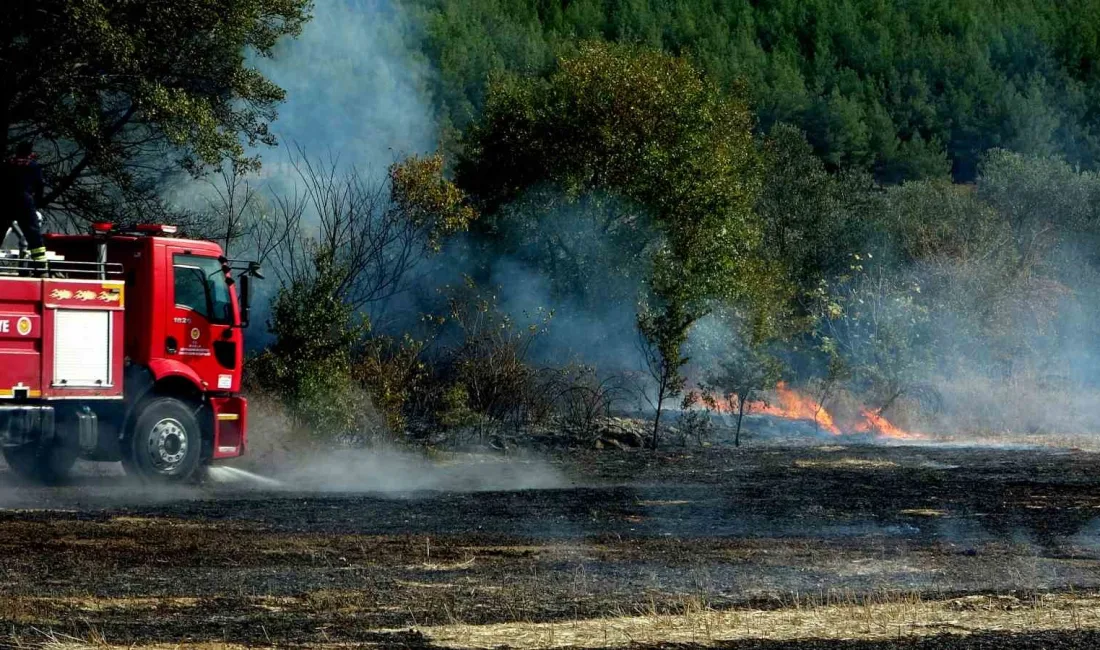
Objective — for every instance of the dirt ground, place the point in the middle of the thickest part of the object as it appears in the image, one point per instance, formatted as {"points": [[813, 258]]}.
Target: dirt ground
{"points": [[828, 546]]}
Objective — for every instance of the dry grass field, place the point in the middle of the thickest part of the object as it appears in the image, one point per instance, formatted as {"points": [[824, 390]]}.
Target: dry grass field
{"points": [[829, 546]]}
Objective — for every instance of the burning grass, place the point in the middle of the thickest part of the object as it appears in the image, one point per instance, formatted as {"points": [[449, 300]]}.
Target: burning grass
{"points": [[790, 404], [796, 406]]}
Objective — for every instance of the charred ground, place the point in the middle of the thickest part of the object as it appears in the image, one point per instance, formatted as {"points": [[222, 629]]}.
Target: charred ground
{"points": [[699, 532]]}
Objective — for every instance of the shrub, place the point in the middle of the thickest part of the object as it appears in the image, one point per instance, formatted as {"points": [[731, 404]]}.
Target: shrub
{"points": [[583, 400], [697, 417], [310, 364], [488, 361], [392, 372]]}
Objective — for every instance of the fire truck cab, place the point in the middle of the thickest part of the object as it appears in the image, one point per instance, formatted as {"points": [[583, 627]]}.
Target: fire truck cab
{"points": [[125, 345]]}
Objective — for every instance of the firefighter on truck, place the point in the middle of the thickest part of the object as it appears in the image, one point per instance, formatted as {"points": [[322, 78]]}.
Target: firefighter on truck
{"points": [[127, 348], [22, 189]]}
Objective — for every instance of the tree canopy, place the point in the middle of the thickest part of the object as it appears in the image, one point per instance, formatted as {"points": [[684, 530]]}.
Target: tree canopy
{"points": [[906, 90], [648, 128], [118, 93]]}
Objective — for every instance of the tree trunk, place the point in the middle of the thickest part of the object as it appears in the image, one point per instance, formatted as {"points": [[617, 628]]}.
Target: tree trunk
{"points": [[656, 423], [740, 414], [661, 388]]}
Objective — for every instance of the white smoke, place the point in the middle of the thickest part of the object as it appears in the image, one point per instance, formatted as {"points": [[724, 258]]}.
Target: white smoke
{"points": [[355, 87], [381, 470]]}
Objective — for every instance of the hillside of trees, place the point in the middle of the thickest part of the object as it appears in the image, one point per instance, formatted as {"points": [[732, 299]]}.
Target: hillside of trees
{"points": [[625, 176], [921, 291], [906, 90]]}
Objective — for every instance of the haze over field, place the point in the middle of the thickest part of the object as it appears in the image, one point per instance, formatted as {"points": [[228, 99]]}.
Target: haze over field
{"points": [[498, 209], [769, 324]]}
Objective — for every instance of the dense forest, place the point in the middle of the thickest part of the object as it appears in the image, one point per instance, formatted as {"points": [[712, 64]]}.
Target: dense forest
{"points": [[908, 90], [891, 206]]}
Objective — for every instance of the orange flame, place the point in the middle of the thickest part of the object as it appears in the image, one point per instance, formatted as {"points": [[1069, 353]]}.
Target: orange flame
{"points": [[874, 423], [795, 406]]}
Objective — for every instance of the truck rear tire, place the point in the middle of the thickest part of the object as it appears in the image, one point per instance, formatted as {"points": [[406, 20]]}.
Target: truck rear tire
{"points": [[49, 463], [165, 442]]}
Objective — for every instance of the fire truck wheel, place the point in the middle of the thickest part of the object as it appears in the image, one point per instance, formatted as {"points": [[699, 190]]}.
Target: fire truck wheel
{"points": [[50, 463], [165, 442]]}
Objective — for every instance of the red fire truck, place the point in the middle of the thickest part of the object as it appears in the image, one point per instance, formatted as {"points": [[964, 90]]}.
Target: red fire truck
{"points": [[125, 345]]}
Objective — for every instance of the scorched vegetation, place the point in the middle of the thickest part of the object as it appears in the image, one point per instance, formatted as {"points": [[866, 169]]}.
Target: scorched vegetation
{"points": [[878, 219]]}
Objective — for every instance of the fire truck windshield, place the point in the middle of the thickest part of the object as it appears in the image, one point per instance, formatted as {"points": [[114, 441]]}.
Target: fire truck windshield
{"points": [[200, 286]]}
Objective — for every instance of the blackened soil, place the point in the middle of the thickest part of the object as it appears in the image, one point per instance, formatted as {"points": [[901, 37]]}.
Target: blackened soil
{"points": [[624, 532], [999, 641]]}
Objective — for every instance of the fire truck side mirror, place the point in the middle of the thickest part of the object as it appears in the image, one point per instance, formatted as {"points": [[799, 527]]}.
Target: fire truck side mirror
{"points": [[245, 285]]}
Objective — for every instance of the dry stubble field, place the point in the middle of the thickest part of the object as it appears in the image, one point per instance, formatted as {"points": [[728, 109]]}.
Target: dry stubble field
{"points": [[829, 546]]}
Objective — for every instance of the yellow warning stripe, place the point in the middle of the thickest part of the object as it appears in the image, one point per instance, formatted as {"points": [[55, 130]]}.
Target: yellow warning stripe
{"points": [[11, 393]]}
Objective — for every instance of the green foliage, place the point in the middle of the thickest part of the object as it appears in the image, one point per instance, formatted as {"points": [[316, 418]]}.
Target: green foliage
{"points": [[651, 129], [454, 410], [427, 202], [662, 336], [787, 164], [645, 127], [308, 318], [1049, 287], [117, 92], [487, 362], [936, 220], [392, 372], [327, 401], [812, 219], [872, 323], [310, 363], [363, 240], [907, 90], [1045, 200]]}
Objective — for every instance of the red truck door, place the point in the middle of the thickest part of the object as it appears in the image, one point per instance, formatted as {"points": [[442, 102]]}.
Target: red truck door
{"points": [[199, 331]]}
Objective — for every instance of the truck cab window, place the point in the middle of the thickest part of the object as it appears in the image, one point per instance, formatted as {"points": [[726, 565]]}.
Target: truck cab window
{"points": [[200, 286]]}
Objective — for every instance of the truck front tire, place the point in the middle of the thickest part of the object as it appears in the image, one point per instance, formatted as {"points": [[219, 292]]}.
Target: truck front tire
{"points": [[165, 442], [48, 463]]}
